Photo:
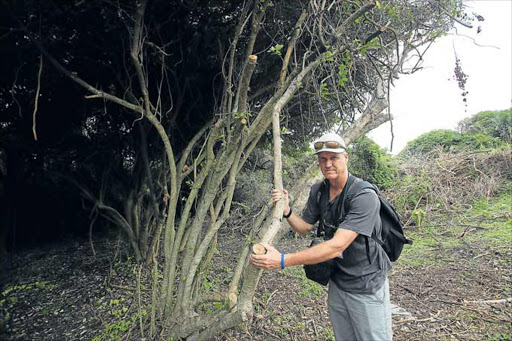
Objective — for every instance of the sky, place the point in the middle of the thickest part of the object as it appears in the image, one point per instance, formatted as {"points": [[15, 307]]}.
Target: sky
{"points": [[431, 99]]}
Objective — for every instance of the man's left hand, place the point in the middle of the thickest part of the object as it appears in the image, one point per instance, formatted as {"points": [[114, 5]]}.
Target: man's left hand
{"points": [[269, 261]]}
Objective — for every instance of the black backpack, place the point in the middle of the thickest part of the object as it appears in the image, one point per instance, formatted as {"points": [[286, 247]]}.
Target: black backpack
{"points": [[392, 236]]}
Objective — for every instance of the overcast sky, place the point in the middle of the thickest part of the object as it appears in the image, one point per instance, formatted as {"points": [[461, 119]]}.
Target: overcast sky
{"points": [[431, 99]]}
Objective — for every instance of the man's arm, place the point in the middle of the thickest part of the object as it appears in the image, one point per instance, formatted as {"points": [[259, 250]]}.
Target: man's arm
{"points": [[297, 223], [313, 255], [329, 249]]}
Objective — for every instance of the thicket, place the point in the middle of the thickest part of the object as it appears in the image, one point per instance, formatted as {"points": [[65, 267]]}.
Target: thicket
{"points": [[372, 163], [497, 124], [446, 182], [442, 171], [487, 129], [445, 171], [449, 140]]}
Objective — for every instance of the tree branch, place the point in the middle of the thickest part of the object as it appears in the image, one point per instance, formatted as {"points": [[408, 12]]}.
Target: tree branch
{"points": [[36, 99], [243, 87], [291, 46], [362, 10], [74, 77]]}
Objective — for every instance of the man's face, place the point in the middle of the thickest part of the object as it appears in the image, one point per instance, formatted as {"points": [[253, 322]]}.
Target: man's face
{"points": [[333, 165]]}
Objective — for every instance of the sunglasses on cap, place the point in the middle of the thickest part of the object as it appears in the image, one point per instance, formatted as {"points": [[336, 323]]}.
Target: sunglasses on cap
{"points": [[328, 144]]}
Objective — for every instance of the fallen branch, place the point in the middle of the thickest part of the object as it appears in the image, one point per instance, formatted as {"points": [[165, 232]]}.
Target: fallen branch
{"points": [[414, 319], [504, 300]]}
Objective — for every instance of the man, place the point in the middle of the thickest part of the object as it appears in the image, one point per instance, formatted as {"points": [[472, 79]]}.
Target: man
{"points": [[358, 300]]}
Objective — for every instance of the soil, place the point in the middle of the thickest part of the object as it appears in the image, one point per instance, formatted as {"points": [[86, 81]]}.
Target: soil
{"points": [[63, 292]]}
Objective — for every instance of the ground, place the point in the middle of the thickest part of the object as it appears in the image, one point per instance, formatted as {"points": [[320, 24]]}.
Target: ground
{"points": [[454, 281]]}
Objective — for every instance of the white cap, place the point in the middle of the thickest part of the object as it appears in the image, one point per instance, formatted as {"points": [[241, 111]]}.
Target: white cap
{"points": [[330, 137]]}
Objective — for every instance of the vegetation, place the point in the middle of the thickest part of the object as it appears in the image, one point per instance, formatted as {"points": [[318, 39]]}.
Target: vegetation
{"points": [[448, 180], [372, 163], [458, 210], [497, 124], [487, 129], [153, 116], [449, 140]]}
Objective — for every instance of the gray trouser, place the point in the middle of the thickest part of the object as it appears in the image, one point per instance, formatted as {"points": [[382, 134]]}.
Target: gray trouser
{"points": [[361, 317]]}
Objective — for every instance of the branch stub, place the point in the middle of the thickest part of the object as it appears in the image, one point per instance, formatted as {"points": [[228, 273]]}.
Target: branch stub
{"points": [[259, 249]]}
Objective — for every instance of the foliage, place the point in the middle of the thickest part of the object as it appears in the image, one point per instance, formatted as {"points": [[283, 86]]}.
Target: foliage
{"points": [[309, 288], [20, 287], [276, 49], [497, 124], [172, 96], [119, 318], [492, 216], [13, 294], [371, 163], [449, 140], [413, 190], [432, 184], [254, 182], [253, 189], [487, 129]]}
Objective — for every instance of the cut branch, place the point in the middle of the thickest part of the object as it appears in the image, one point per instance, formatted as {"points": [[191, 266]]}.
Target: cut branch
{"points": [[244, 83]]}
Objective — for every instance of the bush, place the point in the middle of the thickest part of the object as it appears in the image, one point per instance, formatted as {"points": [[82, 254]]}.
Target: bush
{"points": [[449, 140], [497, 124], [413, 189], [430, 185], [370, 162]]}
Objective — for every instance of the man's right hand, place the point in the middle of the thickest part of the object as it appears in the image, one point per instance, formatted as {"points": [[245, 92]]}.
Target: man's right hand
{"points": [[277, 195]]}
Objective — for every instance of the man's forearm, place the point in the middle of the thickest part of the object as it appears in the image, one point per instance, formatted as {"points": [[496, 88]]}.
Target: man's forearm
{"points": [[313, 255], [323, 251], [298, 224]]}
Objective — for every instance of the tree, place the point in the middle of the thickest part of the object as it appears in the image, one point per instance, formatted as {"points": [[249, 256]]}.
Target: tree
{"points": [[370, 162], [225, 71], [449, 140], [496, 124], [487, 129]]}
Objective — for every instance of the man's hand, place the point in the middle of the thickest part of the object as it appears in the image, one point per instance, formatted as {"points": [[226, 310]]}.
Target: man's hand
{"points": [[277, 195], [269, 261]]}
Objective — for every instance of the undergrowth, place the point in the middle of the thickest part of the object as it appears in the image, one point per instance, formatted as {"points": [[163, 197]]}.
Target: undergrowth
{"points": [[487, 224], [308, 288]]}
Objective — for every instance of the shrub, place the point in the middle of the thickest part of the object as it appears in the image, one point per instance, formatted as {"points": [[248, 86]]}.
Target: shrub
{"points": [[497, 124], [429, 185], [370, 162], [449, 140]]}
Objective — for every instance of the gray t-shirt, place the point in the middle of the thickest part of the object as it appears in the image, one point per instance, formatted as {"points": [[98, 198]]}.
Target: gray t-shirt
{"points": [[354, 272]]}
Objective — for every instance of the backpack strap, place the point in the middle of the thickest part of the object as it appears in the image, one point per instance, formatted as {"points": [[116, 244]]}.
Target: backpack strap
{"points": [[340, 208], [357, 188], [322, 199], [321, 195]]}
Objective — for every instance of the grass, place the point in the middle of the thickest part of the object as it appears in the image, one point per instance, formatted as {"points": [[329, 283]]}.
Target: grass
{"points": [[422, 252], [500, 337], [488, 224], [495, 216], [308, 287]]}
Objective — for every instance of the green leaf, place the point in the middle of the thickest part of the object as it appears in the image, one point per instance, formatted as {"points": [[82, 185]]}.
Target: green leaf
{"points": [[276, 49]]}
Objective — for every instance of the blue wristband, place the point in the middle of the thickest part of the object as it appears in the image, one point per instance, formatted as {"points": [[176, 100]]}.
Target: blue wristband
{"points": [[282, 260]]}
